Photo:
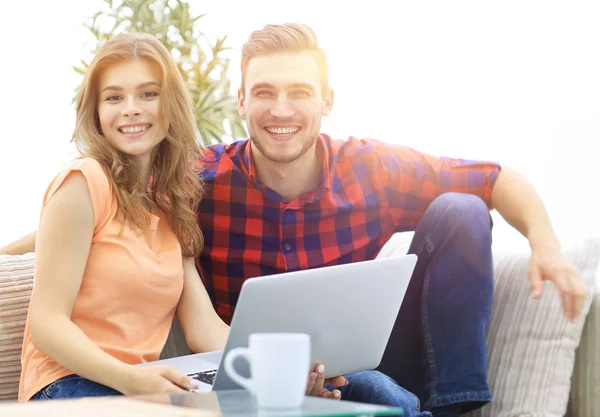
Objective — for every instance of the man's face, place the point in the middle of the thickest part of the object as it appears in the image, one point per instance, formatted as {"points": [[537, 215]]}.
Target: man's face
{"points": [[283, 102]]}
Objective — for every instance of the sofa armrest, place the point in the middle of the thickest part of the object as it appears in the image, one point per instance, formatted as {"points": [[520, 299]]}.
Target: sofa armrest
{"points": [[585, 383]]}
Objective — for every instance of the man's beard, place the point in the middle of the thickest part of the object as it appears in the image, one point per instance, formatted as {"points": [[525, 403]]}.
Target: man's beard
{"points": [[273, 157]]}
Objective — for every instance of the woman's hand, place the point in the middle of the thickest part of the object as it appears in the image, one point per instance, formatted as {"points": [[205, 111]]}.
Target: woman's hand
{"points": [[156, 380]]}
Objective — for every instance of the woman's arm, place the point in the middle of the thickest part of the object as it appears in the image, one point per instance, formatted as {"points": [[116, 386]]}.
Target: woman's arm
{"points": [[63, 245], [203, 328]]}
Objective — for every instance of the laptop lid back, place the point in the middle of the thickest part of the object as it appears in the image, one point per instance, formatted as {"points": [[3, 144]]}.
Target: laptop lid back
{"points": [[349, 310]]}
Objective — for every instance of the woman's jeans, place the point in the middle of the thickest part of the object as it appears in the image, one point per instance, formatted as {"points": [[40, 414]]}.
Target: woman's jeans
{"points": [[73, 386]]}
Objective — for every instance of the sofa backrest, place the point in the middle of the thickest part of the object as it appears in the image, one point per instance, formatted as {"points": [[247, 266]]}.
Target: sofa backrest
{"points": [[16, 283]]}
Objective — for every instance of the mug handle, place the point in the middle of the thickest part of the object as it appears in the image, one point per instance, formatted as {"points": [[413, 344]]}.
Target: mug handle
{"points": [[230, 358]]}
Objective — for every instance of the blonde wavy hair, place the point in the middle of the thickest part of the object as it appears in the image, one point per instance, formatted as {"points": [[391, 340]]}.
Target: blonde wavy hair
{"points": [[288, 37], [175, 184]]}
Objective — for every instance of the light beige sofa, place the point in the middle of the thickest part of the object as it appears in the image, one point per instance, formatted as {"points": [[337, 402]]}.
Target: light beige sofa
{"points": [[533, 353]]}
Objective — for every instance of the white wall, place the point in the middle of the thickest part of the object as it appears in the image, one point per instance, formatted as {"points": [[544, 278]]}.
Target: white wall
{"points": [[513, 81]]}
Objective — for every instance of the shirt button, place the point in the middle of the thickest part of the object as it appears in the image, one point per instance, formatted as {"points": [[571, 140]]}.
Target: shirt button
{"points": [[287, 246]]}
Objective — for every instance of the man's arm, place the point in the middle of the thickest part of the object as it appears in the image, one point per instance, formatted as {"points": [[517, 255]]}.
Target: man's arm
{"points": [[19, 247], [521, 206]]}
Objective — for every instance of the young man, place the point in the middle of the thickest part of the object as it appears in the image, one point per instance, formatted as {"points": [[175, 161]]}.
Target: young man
{"points": [[292, 198]]}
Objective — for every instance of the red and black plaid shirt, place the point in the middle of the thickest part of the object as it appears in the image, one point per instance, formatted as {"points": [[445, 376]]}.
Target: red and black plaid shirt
{"points": [[369, 190]]}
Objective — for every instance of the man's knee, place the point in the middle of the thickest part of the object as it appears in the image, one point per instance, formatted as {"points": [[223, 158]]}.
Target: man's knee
{"points": [[377, 388], [461, 211], [460, 203]]}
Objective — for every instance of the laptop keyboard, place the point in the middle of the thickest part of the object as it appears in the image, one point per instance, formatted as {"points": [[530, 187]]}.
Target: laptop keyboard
{"points": [[207, 377]]}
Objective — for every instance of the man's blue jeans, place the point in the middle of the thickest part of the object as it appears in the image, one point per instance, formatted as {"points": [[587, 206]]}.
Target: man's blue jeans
{"points": [[437, 349], [373, 387]]}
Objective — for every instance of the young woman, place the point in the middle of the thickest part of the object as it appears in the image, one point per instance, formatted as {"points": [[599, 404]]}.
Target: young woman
{"points": [[117, 237]]}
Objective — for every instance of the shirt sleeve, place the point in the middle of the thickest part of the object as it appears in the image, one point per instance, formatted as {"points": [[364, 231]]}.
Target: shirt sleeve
{"points": [[414, 179], [98, 185]]}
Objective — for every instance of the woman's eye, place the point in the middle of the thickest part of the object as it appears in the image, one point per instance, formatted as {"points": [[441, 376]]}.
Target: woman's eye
{"points": [[149, 94], [112, 98]]}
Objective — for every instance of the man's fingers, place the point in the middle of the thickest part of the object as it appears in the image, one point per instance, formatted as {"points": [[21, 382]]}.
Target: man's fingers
{"points": [[316, 380], [579, 293], [337, 381], [565, 294], [319, 381], [334, 395], [312, 377], [535, 280], [552, 266], [320, 378]]}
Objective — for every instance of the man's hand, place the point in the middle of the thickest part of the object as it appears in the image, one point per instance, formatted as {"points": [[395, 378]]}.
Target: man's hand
{"points": [[521, 206], [548, 263], [21, 246], [316, 381]]}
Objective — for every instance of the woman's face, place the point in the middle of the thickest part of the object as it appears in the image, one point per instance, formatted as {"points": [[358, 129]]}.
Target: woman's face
{"points": [[128, 108]]}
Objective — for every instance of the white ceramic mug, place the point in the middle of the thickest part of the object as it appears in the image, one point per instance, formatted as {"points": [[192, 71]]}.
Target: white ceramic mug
{"points": [[279, 366]]}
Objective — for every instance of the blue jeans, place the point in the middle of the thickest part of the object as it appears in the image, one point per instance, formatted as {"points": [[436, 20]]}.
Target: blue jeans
{"points": [[437, 349], [373, 387], [73, 386], [369, 387]]}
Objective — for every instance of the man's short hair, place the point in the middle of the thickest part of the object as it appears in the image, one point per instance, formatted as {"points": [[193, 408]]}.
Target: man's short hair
{"points": [[289, 37]]}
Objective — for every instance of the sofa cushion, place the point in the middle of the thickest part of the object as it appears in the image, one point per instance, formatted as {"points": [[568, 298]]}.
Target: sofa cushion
{"points": [[531, 346], [16, 283]]}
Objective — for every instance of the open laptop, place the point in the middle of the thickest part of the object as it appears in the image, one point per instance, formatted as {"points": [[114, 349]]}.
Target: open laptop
{"points": [[349, 311]]}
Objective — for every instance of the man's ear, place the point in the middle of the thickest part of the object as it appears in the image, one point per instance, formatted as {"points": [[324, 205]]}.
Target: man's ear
{"points": [[327, 102], [240, 101]]}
